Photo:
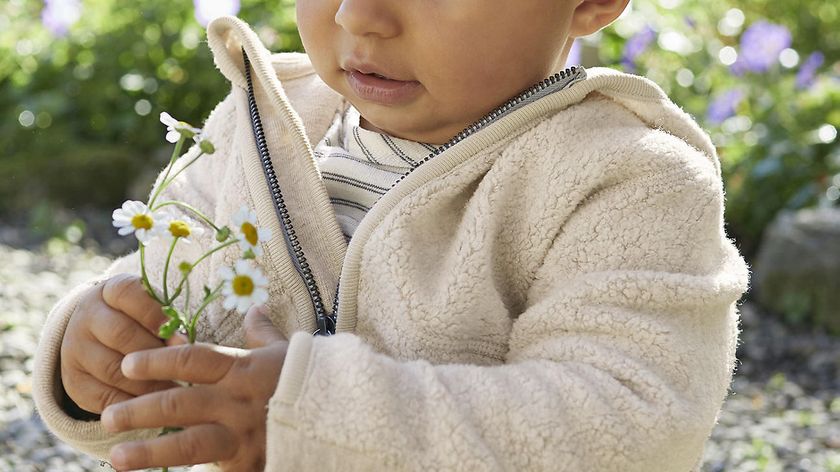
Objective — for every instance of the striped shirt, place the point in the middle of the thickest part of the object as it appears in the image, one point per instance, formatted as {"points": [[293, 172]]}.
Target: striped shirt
{"points": [[358, 166]]}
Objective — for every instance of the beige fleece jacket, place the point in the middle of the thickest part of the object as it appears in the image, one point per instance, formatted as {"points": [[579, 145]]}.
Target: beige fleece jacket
{"points": [[555, 292]]}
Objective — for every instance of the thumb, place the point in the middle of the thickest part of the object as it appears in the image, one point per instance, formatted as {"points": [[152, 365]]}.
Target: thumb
{"points": [[259, 330]]}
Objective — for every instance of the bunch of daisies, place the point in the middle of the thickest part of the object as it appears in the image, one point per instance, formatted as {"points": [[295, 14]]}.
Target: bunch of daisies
{"points": [[171, 222]]}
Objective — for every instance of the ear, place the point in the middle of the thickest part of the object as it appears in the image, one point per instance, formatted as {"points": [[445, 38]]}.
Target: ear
{"points": [[592, 15]]}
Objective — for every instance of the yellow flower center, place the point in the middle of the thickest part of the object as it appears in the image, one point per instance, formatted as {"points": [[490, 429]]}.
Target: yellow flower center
{"points": [[142, 221], [242, 285], [250, 233], [179, 229]]}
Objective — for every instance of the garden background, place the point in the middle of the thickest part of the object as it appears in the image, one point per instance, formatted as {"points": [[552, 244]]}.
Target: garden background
{"points": [[82, 83]]}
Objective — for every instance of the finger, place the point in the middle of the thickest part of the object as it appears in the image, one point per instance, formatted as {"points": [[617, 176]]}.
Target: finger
{"points": [[184, 406], [91, 394], [120, 332], [177, 339], [125, 292], [106, 366], [196, 363], [194, 445], [259, 330]]}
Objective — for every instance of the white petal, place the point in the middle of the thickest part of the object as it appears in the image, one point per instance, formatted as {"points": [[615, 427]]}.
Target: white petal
{"points": [[244, 304], [259, 279], [240, 216], [226, 273], [134, 207], [125, 230], [264, 234], [173, 136], [242, 267], [257, 250], [167, 119], [259, 296], [120, 220], [244, 245], [230, 302]]}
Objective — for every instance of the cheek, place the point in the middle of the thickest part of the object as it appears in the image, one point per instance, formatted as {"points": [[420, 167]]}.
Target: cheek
{"points": [[314, 19]]}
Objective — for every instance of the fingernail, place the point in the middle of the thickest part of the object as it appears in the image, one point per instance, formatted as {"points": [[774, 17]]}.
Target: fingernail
{"points": [[108, 419], [118, 457], [127, 365]]}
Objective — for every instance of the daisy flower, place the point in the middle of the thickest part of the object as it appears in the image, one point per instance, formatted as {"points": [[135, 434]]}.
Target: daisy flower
{"points": [[244, 285], [135, 217], [183, 227], [250, 236], [176, 128]]}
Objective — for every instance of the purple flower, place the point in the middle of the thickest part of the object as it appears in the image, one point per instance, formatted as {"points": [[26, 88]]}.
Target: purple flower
{"points": [[59, 15], [208, 10], [807, 74], [761, 44], [574, 55], [635, 46], [723, 106]]}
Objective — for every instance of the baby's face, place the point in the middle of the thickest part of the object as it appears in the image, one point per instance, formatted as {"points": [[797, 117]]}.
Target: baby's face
{"points": [[453, 60]]}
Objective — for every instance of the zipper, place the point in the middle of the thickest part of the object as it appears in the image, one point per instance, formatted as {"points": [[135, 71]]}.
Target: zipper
{"points": [[326, 322]]}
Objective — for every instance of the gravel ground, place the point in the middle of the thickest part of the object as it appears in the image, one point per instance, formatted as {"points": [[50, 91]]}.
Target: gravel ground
{"points": [[782, 415]]}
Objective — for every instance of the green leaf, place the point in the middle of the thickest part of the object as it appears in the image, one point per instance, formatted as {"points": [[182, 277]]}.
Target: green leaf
{"points": [[170, 312], [207, 292], [168, 329]]}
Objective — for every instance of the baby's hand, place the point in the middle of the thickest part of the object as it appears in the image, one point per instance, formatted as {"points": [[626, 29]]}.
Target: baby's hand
{"points": [[224, 414], [111, 320]]}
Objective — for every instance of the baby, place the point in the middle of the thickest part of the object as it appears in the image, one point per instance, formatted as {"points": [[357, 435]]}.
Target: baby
{"points": [[507, 265]]}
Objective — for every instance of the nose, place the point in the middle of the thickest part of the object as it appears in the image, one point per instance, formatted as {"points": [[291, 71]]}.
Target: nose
{"points": [[368, 17]]}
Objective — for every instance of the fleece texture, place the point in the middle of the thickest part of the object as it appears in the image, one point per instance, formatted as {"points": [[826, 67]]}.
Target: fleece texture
{"points": [[555, 292]]}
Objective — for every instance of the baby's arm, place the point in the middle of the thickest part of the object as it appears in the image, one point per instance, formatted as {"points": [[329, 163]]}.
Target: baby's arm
{"points": [[619, 365]]}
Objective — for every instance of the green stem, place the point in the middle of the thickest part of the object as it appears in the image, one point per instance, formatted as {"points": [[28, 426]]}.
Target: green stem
{"points": [[209, 253], [145, 278], [163, 184], [210, 298], [190, 208], [166, 271], [187, 295]]}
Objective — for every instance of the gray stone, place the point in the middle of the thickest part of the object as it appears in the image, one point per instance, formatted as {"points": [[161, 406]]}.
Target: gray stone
{"points": [[797, 270]]}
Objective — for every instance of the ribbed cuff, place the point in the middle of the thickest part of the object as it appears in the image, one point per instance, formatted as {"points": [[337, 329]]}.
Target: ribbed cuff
{"points": [[292, 378]]}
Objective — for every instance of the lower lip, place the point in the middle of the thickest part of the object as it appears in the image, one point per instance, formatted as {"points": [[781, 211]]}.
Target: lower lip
{"points": [[382, 91]]}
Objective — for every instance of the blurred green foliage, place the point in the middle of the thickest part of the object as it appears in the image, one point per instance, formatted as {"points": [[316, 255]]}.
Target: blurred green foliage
{"points": [[78, 113], [779, 149]]}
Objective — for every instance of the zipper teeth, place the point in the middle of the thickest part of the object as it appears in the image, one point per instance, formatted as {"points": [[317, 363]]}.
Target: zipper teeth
{"points": [[292, 243], [326, 322], [497, 112]]}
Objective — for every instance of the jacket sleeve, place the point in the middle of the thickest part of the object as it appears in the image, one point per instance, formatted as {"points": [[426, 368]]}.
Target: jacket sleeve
{"points": [[48, 391], [620, 361]]}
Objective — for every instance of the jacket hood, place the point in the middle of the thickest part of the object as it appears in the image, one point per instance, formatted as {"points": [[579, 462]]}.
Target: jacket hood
{"points": [[229, 36]]}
